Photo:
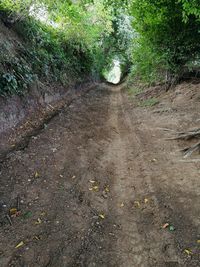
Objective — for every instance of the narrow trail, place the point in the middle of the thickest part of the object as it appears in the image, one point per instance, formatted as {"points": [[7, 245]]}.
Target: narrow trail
{"points": [[96, 186], [131, 187]]}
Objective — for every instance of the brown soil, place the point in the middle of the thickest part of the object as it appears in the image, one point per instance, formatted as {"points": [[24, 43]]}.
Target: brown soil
{"points": [[98, 183], [23, 117]]}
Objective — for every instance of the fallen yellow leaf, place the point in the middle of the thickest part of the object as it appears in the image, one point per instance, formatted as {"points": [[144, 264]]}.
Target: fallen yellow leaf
{"points": [[107, 189], [36, 174], [137, 203], [146, 200], [20, 244], [102, 216], [13, 211], [95, 188], [39, 221], [188, 252]]}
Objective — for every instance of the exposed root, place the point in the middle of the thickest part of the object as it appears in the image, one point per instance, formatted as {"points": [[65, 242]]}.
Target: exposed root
{"points": [[166, 129], [189, 150], [195, 133]]}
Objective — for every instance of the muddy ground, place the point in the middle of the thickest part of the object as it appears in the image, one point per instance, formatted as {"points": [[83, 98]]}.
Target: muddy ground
{"points": [[96, 186]]}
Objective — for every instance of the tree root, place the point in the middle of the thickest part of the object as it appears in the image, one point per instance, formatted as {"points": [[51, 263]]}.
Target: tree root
{"points": [[195, 133], [189, 150]]}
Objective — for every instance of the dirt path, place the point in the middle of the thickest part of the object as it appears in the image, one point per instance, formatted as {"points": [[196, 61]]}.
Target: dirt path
{"points": [[95, 188]]}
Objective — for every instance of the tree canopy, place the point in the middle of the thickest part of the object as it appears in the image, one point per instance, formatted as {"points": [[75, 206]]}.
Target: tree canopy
{"points": [[153, 39], [168, 35]]}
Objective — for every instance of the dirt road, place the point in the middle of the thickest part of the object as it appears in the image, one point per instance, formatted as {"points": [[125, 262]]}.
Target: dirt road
{"points": [[95, 188]]}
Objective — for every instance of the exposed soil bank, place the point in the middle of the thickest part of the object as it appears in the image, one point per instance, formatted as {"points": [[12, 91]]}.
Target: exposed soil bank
{"points": [[22, 117]]}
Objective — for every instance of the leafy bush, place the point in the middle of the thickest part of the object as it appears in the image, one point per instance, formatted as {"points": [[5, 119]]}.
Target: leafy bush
{"points": [[168, 37], [17, 80]]}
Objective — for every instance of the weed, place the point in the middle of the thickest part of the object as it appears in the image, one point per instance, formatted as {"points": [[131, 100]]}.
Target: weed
{"points": [[149, 102], [134, 91], [17, 78]]}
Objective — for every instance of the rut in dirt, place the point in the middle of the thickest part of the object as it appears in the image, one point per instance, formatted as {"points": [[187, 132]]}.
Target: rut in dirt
{"points": [[94, 190]]}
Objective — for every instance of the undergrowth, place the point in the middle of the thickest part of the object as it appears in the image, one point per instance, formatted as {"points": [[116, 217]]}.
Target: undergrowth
{"points": [[42, 55]]}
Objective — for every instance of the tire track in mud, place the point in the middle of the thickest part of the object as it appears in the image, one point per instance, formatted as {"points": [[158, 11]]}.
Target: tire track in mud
{"points": [[129, 246], [136, 245]]}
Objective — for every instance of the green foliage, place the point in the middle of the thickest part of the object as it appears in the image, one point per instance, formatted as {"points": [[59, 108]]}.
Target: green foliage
{"points": [[190, 8], [16, 6], [70, 40], [65, 39], [52, 54], [165, 41], [66, 45], [148, 64], [15, 73]]}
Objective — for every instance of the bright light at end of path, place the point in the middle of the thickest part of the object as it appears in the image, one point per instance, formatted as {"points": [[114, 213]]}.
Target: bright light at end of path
{"points": [[114, 75]]}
